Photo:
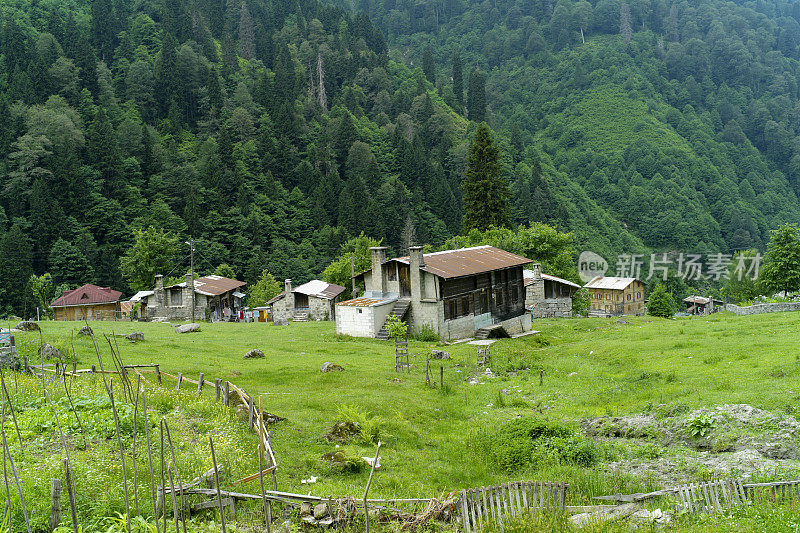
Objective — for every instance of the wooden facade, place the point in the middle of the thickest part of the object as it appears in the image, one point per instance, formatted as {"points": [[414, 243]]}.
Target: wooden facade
{"points": [[103, 311], [499, 292]]}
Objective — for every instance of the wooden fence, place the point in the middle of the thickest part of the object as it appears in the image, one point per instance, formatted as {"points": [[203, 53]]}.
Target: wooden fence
{"points": [[711, 495], [486, 505]]}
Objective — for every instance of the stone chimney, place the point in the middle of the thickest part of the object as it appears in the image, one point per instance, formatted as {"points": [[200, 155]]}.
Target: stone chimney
{"points": [[534, 292], [537, 271], [159, 282], [288, 295], [416, 261], [159, 290], [378, 278]]}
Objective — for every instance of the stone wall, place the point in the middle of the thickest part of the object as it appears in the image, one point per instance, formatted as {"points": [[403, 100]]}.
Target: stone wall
{"points": [[281, 311], [319, 309], [552, 307], [758, 309]]}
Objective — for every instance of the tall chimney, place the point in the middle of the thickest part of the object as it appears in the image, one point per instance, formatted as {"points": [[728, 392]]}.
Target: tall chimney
{"points": [[416, 261], [159, 290], [159, 282], [189, 292], [288, 295], [378, 279]]}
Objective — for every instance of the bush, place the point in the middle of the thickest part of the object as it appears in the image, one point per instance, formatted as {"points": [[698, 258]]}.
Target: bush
{"points": [[370, 425], [426, 334], [529, 441], [661, 303]]}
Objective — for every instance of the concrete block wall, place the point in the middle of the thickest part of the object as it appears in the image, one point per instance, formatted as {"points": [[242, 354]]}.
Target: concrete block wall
{"points": [[758, 309]]}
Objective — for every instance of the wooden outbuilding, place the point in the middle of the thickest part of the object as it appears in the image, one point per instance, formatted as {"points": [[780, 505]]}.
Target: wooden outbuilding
{"points": [[88, 302]]}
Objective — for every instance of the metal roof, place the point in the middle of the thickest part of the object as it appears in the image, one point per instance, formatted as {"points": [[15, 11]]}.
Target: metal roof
{"points": [[366, 301], [602, 282], [694, 299], [141, 294], [87, 295], [320, 289], [468, 261], [528, 277], [212, 285]]}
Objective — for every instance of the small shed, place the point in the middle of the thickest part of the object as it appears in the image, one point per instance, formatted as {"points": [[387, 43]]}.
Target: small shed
{"points": [[315, 300], [701, 305], [548, 296]]}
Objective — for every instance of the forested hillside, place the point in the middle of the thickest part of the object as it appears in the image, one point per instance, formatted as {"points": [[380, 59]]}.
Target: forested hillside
{"points": [[680, 119], [270, 132]]}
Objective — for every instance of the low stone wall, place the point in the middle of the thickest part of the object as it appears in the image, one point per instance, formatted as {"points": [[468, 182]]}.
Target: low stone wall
{"points": [[552, 307], [758, 309]]}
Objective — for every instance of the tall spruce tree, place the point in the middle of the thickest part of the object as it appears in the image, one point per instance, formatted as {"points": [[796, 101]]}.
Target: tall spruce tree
{"points": [[428, 66], [458, 79], [486, 194], [476, 96]]}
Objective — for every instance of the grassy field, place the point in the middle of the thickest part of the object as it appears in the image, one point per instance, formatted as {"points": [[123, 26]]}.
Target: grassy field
{"points": [[439, 440]]}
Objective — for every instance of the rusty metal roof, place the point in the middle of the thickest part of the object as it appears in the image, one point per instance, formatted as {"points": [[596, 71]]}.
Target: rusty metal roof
{"points": [[468, 261], [216, 285]]}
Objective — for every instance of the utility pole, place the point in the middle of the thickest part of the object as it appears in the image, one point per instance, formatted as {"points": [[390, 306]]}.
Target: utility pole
{"points": [[353, 273], [191, 269]]}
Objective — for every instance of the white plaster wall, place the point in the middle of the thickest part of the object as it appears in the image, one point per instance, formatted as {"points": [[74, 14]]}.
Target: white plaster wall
{"points": [[355, 321]]}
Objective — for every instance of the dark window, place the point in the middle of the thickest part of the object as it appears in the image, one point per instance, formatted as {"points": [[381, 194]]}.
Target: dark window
{"points": [[465, 306]]}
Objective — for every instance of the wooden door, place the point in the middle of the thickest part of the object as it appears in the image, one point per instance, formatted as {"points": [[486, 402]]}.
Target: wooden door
{"points": [[405, 280]]}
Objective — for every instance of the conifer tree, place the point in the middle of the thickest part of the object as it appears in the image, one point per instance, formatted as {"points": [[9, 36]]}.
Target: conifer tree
{"points": [[458, 79], [486, 194], [476, 96], [428, 66]]}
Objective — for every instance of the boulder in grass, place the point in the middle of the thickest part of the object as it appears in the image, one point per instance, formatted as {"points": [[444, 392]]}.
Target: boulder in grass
{"points": [[48, 351], [188, 328], [331, 367], [439, 354], [280, 322], [27, 325], [254, 354], [136, 336], [86, 330]]}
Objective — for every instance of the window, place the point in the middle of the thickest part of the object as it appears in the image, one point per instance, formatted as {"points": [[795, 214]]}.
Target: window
{"points": [[176, 297], [498, 297], [465, 305], [514, 294], [629, 297]]}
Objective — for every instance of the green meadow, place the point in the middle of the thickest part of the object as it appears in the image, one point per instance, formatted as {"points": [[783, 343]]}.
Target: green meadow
{"points": [[435, 439]]}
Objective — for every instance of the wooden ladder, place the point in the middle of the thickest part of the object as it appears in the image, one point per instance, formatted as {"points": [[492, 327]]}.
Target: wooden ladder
{"points": [[483, 505], [401, 356]]}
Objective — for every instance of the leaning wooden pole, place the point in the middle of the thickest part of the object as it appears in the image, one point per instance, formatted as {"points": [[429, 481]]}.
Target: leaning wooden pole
{"points": [[216, 482], [121, 456], [177, 474], [150, 460], [11, 408], [366, 490], [265, 506]]}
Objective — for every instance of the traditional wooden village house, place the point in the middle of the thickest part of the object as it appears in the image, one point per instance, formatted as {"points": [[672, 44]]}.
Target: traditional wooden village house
{"points": [[315, 300], [456, 294], [612, 296], [213, 298], [88, 302], [548, 296], [701, 305]]}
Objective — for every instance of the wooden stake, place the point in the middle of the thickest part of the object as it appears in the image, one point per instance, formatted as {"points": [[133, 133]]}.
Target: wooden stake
{"points": [[16, 480], [266, 508], [163, 481], [149, 459], [216, 479], [541, 377], [366, 490], [441, 377], [55, 503], [121, 456], [226, 392], [135, 471], [71, 494], [177, 473], [11, 408], [180, 378], [217, 389], [158, 374], [200, 383]]}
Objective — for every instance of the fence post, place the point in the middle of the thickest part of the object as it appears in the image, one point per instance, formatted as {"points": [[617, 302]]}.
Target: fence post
{"points": [[200, 383], [251, 411], [441, 377], [55, 503], [180, 378], [217, 389], [226, 393], [158, 374]]}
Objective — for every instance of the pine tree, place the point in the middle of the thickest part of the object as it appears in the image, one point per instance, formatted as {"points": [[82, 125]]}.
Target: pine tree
{"points": [[661, 303], [247, 38], [16, 253], [428, 66], [323, 97], [486, 194], [68, 265], [476, 96], [625, 25], [458, 79], [165, 78]]}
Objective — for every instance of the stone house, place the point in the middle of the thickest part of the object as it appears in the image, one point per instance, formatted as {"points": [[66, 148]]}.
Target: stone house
{"points": [[88, 302], [213, 298], [612, 296], [455, 294], [548, 296], [315, 300]]}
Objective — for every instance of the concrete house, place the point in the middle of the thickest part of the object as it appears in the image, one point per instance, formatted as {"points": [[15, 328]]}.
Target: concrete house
{"points": [[88, 302], [548, 296], [456, 294], [213, 298], [611, 296], [315, 300]]}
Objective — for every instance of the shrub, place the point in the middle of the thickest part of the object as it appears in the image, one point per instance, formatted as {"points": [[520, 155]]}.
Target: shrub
{"points": [[661, 302], [700, 426], [396, 328], [370, 425], [426, 334]]}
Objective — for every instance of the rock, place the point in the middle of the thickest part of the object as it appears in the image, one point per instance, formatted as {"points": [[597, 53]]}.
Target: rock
{"points": [[572, 374], [280, 322], [86, 330], [439, 354], [474, 381], [305, 508], [254, 354], [48, 351], [27, 325], [188, 328], [622, 321], [136, 336], [343, 432], [320, 511], [331, 367]]}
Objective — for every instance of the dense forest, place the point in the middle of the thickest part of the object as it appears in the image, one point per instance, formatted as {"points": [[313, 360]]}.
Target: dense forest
{"points": [[270, 132]]}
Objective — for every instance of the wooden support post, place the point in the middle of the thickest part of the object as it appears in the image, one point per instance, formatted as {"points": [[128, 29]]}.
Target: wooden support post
{"points": [[74, 368], [441, 377], [251, 411], [217, 389], [180, 378], [200, 383], [541, 377], [55, 503], [71, 495], [226, 393], [366, 490], [158, 374], [94, 369]]}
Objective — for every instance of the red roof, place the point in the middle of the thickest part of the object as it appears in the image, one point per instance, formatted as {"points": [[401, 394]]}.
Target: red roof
{"points": [[87, 295]]}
